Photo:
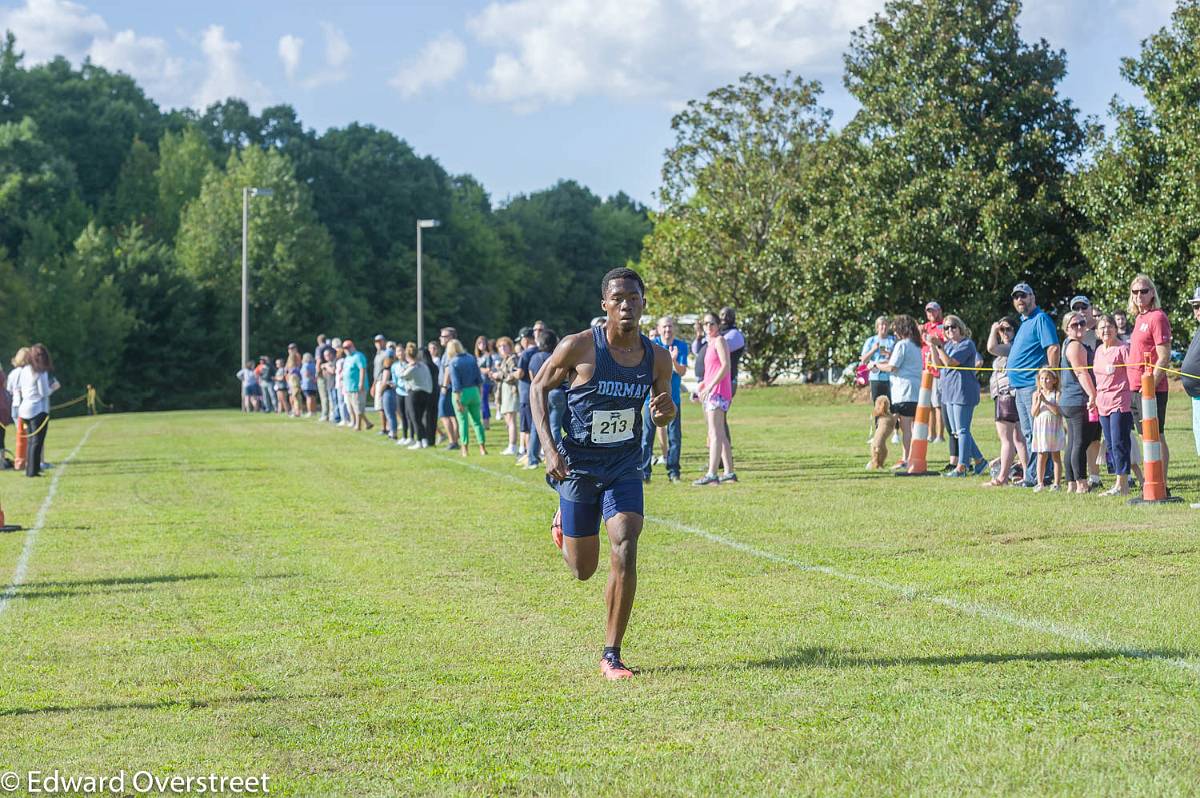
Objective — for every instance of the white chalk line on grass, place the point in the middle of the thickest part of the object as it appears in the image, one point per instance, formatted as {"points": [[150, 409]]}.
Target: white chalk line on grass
{"points": [[18, 577], [963, 607]]}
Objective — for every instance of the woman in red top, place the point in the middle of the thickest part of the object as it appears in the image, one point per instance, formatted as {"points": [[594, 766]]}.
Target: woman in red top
{"points": [[1151, 337]]}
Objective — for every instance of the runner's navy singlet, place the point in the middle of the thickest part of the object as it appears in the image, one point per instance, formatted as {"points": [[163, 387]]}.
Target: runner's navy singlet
{"points": [[604, 415]]}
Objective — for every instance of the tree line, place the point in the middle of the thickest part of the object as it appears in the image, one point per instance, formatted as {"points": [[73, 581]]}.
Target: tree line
{"points": [[964, 171], [120, 237]]}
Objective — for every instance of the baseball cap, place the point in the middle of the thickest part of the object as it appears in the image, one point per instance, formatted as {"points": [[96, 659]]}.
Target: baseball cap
{"points": [[1024, 288], [932, 306], [380, 337], [526, 332], [1075, 300], [1195, 296]]}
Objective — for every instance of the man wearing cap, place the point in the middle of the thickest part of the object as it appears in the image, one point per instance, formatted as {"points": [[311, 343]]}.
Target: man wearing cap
{"points": [[933, 328], [1035, 345], [1191, 365], [1095, 452]]}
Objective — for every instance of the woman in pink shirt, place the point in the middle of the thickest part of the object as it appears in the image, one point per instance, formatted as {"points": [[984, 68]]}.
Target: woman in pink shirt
{"points": [[1113, 400], [1151, 338], [715, 392]]}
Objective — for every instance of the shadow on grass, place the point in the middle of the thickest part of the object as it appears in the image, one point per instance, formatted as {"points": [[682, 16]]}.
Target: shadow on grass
{"points": [[120, 584], [168, 703], [823, 657]]}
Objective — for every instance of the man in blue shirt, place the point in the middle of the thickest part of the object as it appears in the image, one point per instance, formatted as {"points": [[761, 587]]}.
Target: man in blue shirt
{"points": [[524, 380], [679, 361], [1035, 345]]}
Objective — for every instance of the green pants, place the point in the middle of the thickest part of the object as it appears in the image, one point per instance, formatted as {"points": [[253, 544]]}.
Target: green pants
{"points": [[467, 406]]}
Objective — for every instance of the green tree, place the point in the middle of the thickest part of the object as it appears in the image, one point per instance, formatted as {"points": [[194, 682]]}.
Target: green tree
{"points": [[134, 200], [89, 115], [79, 313], [184, 158], [171, 342], [965, 150], [736, 187], [295, 292], [1140, 196], [37, 186]]}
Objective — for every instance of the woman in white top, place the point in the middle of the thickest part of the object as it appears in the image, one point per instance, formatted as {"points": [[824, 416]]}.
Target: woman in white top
{"points": [[32, 398], [904, 368]]}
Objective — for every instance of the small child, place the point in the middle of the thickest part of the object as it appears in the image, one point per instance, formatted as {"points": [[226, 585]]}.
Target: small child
{"points": [[1049, 435]]}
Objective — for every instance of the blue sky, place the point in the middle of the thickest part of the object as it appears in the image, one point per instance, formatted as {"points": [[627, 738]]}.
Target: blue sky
{"points": [[519, 93]]}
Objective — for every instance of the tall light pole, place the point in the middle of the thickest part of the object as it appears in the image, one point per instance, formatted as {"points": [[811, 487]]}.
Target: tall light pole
{"points": [[247, 193], [422, 224]]}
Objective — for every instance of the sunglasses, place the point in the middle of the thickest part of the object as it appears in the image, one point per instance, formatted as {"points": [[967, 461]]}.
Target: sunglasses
{"points": [[1079, 308], [951, 327], [1019, 295], [1140, 291], [1005, 328], [1077, 324], [1195, 305]]}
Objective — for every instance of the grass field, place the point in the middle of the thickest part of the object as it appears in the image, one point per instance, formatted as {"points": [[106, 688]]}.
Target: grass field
{"points": [[217, 593]]}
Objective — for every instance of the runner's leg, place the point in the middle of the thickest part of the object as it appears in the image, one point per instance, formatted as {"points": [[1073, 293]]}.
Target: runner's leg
{"points": [[623, 531]]}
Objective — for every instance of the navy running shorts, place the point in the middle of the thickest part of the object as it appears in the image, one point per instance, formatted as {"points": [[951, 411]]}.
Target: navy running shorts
{"points": [[584, 500]]}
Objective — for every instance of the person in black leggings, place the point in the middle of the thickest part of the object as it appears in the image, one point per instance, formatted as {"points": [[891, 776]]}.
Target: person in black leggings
{"points": [[1078, 399]]}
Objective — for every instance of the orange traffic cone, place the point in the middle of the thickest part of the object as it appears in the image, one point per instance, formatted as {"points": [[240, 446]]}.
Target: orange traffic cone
{"points": [[918, 452], [22, 445], [1154, 487], [7, 527]]}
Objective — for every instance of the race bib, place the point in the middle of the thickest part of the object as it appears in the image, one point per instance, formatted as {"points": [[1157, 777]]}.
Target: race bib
{"points": [[612, 426]]}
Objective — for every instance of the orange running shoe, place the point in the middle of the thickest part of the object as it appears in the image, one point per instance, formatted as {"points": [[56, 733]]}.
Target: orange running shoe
{"points": [[556, 528], [613, 669]]}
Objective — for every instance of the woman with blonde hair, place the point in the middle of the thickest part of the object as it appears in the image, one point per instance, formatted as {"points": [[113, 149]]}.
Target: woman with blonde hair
{"points": [[292, 370], [32, 399], [466, 382], [21, 358], [1150, 339], [505, 374]]}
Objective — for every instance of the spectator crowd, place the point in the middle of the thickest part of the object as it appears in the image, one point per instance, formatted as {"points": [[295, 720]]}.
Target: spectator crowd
{"points": [[1066, 408], [446, 394]]}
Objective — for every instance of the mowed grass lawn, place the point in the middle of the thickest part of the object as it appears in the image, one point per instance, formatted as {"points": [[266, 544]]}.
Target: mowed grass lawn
{"points": [[217, 593]]}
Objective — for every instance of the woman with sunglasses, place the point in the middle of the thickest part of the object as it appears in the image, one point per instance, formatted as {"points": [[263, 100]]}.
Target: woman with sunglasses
{"points": [[1012, 442], [1150, 338], [960, 391], [1078, 401]]}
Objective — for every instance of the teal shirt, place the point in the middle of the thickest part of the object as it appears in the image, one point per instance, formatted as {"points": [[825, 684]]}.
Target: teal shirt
{"points": [[352, 372]]}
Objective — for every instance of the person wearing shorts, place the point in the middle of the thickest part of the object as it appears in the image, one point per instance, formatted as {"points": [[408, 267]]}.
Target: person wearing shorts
{"points": [[596, 466], [1149, 341]]}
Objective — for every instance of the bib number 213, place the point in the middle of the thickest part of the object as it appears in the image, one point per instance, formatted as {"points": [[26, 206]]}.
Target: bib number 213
{"points": [[612, 426]]}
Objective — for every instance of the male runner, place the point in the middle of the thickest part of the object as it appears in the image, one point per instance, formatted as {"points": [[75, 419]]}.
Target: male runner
{"points": [[597, 467]]}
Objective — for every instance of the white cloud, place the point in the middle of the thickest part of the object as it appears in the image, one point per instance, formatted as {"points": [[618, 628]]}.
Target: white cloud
{"points": [[337, 49], [558, 50], [439, 61], [337, 54], [147, 59], [46, 28], [225, 76], [289, 53]]}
